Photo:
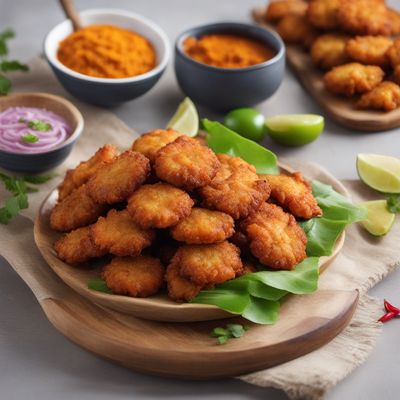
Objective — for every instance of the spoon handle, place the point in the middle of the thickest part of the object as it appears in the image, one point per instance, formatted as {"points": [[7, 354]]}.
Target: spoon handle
{"points": [[71, 12]]}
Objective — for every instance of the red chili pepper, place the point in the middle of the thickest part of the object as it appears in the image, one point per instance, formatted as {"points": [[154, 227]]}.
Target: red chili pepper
{"points": [[387, 317], [391, 312], [391, 308]]}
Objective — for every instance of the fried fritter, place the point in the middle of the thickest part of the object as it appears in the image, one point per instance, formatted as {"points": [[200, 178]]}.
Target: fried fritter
{"points": [[329, 50], [180, 289], [370, 50], [385, 96], [364, 17], [140, 276], [85, 170], [149, 143], [117, 180], [353, 78], [159, 206], [294, 194], [393, 53], [186, 163], [203, 226], [323, 14], [236, 189], [74, 211], [119, 235], [77, 247], [295, 29], [276, 239], [394, 18], [278, 9], [208, 264]]}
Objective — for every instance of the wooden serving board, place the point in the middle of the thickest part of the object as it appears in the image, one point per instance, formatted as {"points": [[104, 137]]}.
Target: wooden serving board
{"points": [[340, 109]]}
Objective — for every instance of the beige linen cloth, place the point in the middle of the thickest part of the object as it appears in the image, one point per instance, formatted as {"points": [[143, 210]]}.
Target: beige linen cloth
{"points": [[362, 263]]}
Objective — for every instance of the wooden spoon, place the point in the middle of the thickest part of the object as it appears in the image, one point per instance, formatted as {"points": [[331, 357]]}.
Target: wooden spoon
{"points": [[71, 13]]}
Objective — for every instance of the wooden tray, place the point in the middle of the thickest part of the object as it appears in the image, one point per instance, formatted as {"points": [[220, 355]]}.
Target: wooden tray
{"points": [[340, 109], [158, 308]]}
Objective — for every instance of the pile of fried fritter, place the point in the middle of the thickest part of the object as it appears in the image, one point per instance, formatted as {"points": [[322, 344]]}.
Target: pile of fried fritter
{"points": [[353, 41], [170, 210]]}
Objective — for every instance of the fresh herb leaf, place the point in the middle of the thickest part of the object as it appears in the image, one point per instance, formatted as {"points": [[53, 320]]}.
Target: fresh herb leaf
{"points": [[38, 125], [30, 138], [219, 332], [223, 140], [393, 203], [21, 120], [231, 331], [5, 83], [37, 179], [7, 34], [236, 330], [13, 65], [99, 285], [261, 311]]}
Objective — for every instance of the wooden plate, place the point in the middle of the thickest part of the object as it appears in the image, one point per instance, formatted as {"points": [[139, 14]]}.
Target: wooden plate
{"points": [[158, 308], [339, 108]]}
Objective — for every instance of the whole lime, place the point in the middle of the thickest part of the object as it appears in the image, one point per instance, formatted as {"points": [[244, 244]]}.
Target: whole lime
{"points": [[247, 122]]}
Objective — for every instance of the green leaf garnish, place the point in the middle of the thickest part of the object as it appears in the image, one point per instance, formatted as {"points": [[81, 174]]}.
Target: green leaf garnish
{"points": [[38, 125], [99, 285], [30, 138], [222, 140], [5, 84], [231, 331], [37, 179], [7, 34], [393, 203], [13, 65]]}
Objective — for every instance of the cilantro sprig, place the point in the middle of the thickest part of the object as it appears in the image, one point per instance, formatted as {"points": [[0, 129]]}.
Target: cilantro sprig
{"points": [[19, 189], [39, 125], [99, 285], [393, 203], [29, 138], [7, 65], [231, 331]]}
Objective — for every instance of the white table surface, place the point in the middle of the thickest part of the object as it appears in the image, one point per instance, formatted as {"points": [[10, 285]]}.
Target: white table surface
{"points": [[37, 362]]}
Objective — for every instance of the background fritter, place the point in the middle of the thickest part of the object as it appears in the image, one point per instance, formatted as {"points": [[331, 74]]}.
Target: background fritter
{"points": [[119, 235], [116, 181], [159, 206], [278, 9], [74, 211], [393, 53], [296, 29], [140, 276], [329, 50], [186, 163], [275, 237], [323, 14], [386, 96]]}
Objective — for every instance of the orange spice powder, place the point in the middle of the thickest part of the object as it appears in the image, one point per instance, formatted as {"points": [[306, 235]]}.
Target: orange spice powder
{"points": [[227, 51], [106, 51]]}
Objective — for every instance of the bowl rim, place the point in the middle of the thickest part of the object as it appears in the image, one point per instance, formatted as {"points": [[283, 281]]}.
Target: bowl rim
{"points": [[241, 25], [65, 103], [53, 61]]}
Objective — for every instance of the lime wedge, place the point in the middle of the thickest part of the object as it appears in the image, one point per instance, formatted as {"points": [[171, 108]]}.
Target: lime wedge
{"points": [[185, 120], [379, 220], [295, 129], [380, 172]]}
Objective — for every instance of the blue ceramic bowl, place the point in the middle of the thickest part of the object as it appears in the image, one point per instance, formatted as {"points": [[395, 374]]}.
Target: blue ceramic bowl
{"points": [[223, 89], [108, 91], [36, 163]]}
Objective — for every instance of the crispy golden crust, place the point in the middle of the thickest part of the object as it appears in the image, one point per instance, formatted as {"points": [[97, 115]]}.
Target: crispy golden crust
{"points": [[77, 247], [386, 96], [329, 50], [159, 205], [186, 163], [119, 235], [204, 226], [278, 9], [149, 143], [294, 194], [210, 264], [369, 50], [117, 180], [323, 14], [140, 276], [180, 289], [85, 170], [353, 78], [364, 17], [394, 18], [236, 189], [393, 53], [295, 29], [276, 238], [74, 211]]}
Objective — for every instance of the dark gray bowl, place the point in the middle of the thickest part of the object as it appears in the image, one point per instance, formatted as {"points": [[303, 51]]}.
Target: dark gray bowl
{"points": [[36, 163], [106, 91], [223, 89]]}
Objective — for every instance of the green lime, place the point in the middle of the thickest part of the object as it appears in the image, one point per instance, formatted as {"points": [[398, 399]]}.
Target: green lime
{"points": [[185, 119], [247, 122], [379, 172], [295, 129], [379, 220]]}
